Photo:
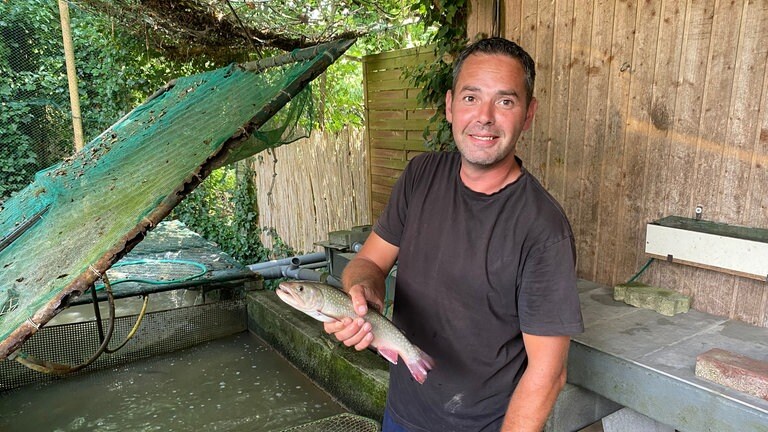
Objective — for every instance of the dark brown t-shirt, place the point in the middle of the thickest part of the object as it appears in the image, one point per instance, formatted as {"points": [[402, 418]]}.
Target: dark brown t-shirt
{"points": [[474, 272]]}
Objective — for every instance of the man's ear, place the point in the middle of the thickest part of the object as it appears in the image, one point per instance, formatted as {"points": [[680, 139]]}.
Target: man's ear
{"points": [[530, 112], [448, 100]]}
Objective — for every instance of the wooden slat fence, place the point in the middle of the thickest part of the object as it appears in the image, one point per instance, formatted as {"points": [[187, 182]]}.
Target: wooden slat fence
{"points": [[395, 123], [318, 184]]}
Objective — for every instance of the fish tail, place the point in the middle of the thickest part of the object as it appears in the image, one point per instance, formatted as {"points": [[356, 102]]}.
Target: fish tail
{"points": [[420, 366]]}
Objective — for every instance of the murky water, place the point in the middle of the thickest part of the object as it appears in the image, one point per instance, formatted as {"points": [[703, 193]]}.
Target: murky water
{"points": [[232, 384]]}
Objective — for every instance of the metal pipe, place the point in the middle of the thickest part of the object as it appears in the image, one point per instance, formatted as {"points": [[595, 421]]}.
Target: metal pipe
{"points": [[301, 273], [311, 275], [298, 260]]}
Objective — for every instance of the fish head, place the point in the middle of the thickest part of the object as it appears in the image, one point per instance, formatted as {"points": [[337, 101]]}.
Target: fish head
{"points": [[305, 296], [300, 295]]}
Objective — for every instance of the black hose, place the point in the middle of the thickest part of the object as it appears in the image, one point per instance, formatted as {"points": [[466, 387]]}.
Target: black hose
{"points": [[54, 368]]}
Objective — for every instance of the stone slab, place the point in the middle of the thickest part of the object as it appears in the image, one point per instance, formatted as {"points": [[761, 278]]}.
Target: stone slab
{"points": [[662, 300], [733, 370]]}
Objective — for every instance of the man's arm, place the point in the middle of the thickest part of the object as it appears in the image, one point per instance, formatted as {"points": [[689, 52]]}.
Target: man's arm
{"points": [[540, 384], [364, 280]]}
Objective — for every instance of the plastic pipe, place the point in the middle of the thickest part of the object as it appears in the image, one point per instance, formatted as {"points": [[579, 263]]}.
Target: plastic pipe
{"points": [[297, 260]]}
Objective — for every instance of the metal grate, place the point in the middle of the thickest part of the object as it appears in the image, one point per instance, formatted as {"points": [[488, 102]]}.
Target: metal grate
{"points": [[160, 333], [338, 423]]}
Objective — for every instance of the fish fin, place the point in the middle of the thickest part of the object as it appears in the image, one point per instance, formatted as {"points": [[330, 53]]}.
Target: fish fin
{"points": [[420, 366], [389, 354], [320, 316]]}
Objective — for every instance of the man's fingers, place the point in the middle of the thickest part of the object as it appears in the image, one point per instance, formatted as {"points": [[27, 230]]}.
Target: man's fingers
{"points": [[336, 326], [357, 294], [367, 339]]}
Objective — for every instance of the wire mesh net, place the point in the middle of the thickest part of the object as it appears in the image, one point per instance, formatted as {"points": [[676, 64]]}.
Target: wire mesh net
{"points": [[338, 423], [35, 126], [80, 216]]}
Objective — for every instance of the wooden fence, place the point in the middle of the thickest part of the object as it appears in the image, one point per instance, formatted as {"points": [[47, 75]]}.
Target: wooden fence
{"points": [[316, 185], [395, 123], [648, 109]]}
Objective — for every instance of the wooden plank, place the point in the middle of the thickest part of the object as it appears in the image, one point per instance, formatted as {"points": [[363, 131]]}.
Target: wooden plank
{"points": [[394, 74], [374, 63], [376, 208], [376, 123], [484, 20], [385, 172], [386, 115], [394, 164], [539, 136], [742, 134], [398, 144], [631, 214], [386, 134], [419, 114], [578, 67], [559, 95], [377, 86], [612, 177], [756, 211], [382, 188], [661, 116], [366, 98], [680, 167], [662, 108], [693, 68], [594, 138], [711, 296], [512, 19], [381, 198], [386, 181], [387, 154], [526, 145], [377, 104]]}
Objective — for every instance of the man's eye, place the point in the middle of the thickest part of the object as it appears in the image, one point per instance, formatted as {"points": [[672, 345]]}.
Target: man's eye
{"points": [[506, 102], [469, 98]]}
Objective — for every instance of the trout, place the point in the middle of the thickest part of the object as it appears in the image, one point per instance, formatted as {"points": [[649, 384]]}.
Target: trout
{"points": [[328, 304]]}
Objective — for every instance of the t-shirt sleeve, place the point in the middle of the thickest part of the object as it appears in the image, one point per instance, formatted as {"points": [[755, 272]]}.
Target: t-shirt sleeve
{"points": [[549, 301]]}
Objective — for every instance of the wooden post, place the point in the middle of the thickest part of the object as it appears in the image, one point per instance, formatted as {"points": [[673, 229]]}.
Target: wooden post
{"points": [[69, 56]]}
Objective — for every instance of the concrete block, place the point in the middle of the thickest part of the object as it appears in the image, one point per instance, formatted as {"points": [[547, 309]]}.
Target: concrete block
{"points": [[357, 379], [627, 420], [664, 301], [577, 408], [735, 371]]}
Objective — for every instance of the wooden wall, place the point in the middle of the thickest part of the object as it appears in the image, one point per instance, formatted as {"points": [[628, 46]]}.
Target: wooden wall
{"points": [[395, 123], [648, 109]]}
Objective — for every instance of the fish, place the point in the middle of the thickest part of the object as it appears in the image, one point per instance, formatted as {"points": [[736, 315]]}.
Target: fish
{"points": [[329, 304]]}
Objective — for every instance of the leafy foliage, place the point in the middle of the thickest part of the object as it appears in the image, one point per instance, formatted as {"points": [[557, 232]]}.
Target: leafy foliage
{"points": [[224, 210], [435, 79]]}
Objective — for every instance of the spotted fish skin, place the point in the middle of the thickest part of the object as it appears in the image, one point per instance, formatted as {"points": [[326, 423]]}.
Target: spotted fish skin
{"points": [[328, 304]]}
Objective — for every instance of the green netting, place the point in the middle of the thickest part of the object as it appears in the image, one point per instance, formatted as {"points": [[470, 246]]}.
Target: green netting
{"points": [[79, 217]]}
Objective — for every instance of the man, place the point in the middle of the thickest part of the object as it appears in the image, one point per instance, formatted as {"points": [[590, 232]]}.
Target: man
{"points": [[486, 280]]}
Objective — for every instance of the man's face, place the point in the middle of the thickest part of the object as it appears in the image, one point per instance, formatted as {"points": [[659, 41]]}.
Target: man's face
{"points": [[488, 110]]}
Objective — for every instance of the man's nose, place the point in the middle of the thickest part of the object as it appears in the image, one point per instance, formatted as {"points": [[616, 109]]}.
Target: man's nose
{"points": [[485, 113]]}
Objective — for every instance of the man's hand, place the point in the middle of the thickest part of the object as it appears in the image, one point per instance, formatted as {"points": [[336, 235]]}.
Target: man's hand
{"points": [[363, 280], [356, 332]]}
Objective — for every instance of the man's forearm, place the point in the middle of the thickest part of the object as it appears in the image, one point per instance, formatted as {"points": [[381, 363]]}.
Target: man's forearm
{"points": [[364, 271], [532, 402]]}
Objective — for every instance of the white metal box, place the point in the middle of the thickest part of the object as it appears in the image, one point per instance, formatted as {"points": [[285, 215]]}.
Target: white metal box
{"points": [[732, 249]]}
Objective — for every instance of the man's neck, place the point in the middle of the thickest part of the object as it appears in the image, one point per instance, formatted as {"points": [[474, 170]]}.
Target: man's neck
{"points": [[489, 180]]}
